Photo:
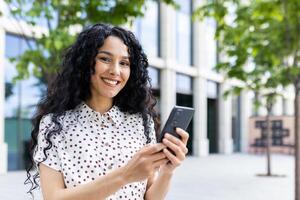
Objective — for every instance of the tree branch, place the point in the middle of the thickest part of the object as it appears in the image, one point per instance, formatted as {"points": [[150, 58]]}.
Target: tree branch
{"points": [[48, 4]]}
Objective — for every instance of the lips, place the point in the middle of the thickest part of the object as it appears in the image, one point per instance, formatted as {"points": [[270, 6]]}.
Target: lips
{"points": [[110, 82]]}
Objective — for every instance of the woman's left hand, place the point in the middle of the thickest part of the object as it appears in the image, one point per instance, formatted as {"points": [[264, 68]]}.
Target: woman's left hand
{"points": [[178, 147]]}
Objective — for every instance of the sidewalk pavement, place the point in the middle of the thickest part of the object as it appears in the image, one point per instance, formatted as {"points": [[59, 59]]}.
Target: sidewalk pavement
{"points": [[216, 177]]}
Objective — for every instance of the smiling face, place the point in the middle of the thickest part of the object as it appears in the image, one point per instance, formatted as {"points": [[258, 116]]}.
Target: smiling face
{"points": [[112, 69]]}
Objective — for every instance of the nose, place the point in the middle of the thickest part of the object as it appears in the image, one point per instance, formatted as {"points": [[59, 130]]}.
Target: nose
{"points": [[115, 69]]}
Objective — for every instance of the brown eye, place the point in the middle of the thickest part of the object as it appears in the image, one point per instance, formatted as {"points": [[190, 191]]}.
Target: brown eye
{"points": [[104, 59], [125, 63]]}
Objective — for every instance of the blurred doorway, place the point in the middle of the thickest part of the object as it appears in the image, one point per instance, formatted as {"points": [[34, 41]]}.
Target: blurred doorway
{"points": [[212, 125], [212, 115]]}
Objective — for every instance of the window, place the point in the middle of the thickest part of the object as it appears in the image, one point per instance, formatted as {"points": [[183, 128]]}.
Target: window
{"points": [[147, 29], [184, 84], [184, 32], [154, 76], [211, 44], [212, 90], [155, 83], [24, 94]]}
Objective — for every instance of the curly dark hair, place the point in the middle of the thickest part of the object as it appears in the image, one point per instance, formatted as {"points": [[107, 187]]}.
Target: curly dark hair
{"points": [[73, 81]]}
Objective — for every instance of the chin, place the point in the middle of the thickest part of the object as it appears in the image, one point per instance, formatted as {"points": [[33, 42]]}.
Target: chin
{"points": [[107, 94], [111, 95]]}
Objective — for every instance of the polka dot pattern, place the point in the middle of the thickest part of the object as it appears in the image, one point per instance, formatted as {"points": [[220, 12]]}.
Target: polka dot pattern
{"points": [[92, 144]]}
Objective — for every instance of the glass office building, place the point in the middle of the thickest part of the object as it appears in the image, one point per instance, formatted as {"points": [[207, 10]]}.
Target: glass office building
{"points": [[20, 100], [181, 55]]}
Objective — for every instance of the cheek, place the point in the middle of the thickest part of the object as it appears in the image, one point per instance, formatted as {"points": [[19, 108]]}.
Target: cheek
{"points": [[127, 74], [100, 68], [94, 80]]}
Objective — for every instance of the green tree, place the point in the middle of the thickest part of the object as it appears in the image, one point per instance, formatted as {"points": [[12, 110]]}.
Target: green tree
{"points": [[267, 34], [61, 19]]}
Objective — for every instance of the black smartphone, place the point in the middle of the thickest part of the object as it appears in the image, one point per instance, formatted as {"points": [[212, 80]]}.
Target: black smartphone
{"points": [[180, 117]]}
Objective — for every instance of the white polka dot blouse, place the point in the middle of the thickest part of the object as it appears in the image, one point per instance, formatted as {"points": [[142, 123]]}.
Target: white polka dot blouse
{"points": [[92, 144]]}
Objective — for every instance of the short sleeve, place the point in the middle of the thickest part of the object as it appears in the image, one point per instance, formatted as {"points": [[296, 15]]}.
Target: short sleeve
{"points": [[50, 158], [152, 132]]}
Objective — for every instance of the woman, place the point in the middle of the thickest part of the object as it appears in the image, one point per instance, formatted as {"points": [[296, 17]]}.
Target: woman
{"points": [[94, 133]]}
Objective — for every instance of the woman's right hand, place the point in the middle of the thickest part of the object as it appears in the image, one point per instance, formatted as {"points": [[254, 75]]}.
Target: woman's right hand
{"points": [[144, 163]]}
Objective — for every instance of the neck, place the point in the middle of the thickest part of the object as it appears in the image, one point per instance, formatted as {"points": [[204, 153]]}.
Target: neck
{"points": [[100, 105]]}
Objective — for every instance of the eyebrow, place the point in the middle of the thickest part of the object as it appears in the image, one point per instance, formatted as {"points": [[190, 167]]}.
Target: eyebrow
{"points": [[110, 54]]}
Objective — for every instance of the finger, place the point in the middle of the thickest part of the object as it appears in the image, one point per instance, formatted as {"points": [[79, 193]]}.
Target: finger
{"points": [[184, 135], [173, 138], [157, 156], [153, 148], [175, 148], [172, 158], [177, 142]]}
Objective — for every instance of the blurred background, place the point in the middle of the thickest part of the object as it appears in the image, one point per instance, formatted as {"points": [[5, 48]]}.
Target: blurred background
{"points": [[197, 50]]}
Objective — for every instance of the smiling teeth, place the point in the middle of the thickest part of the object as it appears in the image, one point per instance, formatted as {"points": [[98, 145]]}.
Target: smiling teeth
{"points": [[110, 81]]}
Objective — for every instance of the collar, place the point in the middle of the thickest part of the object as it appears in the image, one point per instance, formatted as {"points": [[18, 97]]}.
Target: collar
{"points": [[85, 113]]}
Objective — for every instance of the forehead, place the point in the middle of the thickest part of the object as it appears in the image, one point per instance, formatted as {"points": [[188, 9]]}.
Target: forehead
{"points": [[115, 46]]}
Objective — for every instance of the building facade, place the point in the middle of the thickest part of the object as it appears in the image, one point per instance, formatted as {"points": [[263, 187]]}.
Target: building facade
{"points": [[182, 54]]}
